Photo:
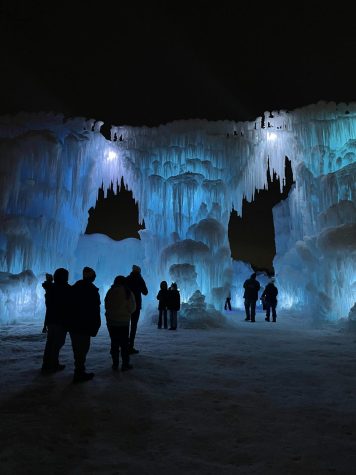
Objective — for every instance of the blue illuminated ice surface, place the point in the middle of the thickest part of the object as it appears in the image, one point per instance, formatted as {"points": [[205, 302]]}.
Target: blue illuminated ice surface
{"points": [[185, 176]]}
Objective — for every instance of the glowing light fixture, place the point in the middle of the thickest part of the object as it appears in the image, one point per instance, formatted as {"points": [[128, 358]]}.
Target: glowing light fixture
{"points": [[271, 136], [111, 155]]}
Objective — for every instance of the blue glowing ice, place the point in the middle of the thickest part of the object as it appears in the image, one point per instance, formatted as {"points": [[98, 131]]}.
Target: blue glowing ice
{"points": [[185, 175]]}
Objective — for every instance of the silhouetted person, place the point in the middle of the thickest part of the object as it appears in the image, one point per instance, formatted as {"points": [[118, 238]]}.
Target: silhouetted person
{"points": [[173, 305], [162, 298], [251, 286], [270, 298], [137, 285], [85, 321], [119, 305], [227, 305], [58, 307], [46, 284]]}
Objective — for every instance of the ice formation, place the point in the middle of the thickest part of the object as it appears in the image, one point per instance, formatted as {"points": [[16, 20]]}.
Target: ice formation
{"points": [[185, 175]]}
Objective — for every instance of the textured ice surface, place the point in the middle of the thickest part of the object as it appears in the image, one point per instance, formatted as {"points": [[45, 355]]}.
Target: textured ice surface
{"points": [[185, 175]]}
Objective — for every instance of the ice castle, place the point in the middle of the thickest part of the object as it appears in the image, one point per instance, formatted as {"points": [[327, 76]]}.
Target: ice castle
{"points": [[185, 176]]}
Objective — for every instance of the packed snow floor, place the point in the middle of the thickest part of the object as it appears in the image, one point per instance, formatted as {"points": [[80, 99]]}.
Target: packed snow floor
{"points": [[257, 398]]}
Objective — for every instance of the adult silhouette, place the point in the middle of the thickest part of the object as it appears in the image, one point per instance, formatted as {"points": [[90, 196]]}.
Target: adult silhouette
{"points": [[270, 298], [85, 322], [173, 304], [119, 305], [58, 306], [251, 286], [162, 298], [137, 285]]}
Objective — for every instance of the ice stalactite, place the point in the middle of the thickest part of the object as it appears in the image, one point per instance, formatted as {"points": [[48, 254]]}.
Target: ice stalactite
{"points": [[186, 176]]}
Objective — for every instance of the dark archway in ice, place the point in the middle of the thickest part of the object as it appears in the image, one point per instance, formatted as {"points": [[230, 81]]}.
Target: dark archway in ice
{"points": [[252, 234], [115, 214]]}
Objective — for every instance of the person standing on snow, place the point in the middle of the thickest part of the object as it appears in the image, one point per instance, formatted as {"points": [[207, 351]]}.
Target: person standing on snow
{"points": [[162, 297], [173, 304], [270, 298], [137, 285], [58, 307], [227, 305], [251, 286], [85, 321], [119, 305]]}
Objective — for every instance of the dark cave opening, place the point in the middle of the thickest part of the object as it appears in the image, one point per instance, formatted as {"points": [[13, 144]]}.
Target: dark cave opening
{"points": [[116, 214], [252, 235]]}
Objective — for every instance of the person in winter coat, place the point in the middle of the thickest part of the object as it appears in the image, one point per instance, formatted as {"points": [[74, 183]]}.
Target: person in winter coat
{"points": [[227, 305], [270, 298], [58, 307], [137, 285], [162, 297], [85, 321], [173, 305], [251, 286], [119, 306]]}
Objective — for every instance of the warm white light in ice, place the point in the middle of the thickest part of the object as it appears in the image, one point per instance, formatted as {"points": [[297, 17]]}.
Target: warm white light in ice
{"points": [[111, 155], [271, 136]]}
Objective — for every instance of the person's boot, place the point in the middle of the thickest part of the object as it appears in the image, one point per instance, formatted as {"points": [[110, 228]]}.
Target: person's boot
{"points": [[54, 369], [82, 376], [267, 319], [126, 367], [47, 370], [115, 365], [133, 351]]}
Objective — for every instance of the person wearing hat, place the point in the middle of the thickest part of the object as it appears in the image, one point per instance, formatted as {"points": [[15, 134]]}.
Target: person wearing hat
{"points": [[251, 286], [270, 297], [137, 285], [85, 321]]}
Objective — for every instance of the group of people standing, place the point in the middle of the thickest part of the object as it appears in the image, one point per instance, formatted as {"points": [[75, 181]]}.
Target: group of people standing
{"points": [[268, 298], [168, 301], [76, 309]]}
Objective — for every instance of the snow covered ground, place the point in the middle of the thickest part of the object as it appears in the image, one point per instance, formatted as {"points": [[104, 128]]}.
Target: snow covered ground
{"points": [[248, 398]]}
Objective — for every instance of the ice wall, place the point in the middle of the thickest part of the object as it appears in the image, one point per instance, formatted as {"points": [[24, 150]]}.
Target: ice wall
{"points": [[185, 175]]}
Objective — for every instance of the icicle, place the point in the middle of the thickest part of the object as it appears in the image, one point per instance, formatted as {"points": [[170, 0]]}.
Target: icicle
{"points": [[185, 176]]}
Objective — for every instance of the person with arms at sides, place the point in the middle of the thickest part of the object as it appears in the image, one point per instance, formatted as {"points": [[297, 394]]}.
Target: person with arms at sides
{"points": [[58, 307], [173, 305], [251, 286], [119, 305], [137, 285], [85, 322]]}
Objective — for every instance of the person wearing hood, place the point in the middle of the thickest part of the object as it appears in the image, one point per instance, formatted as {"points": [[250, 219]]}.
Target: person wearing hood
{"points": [[85, 321], [119, 305], [137, 285], [251, 286], [270, 298]]}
